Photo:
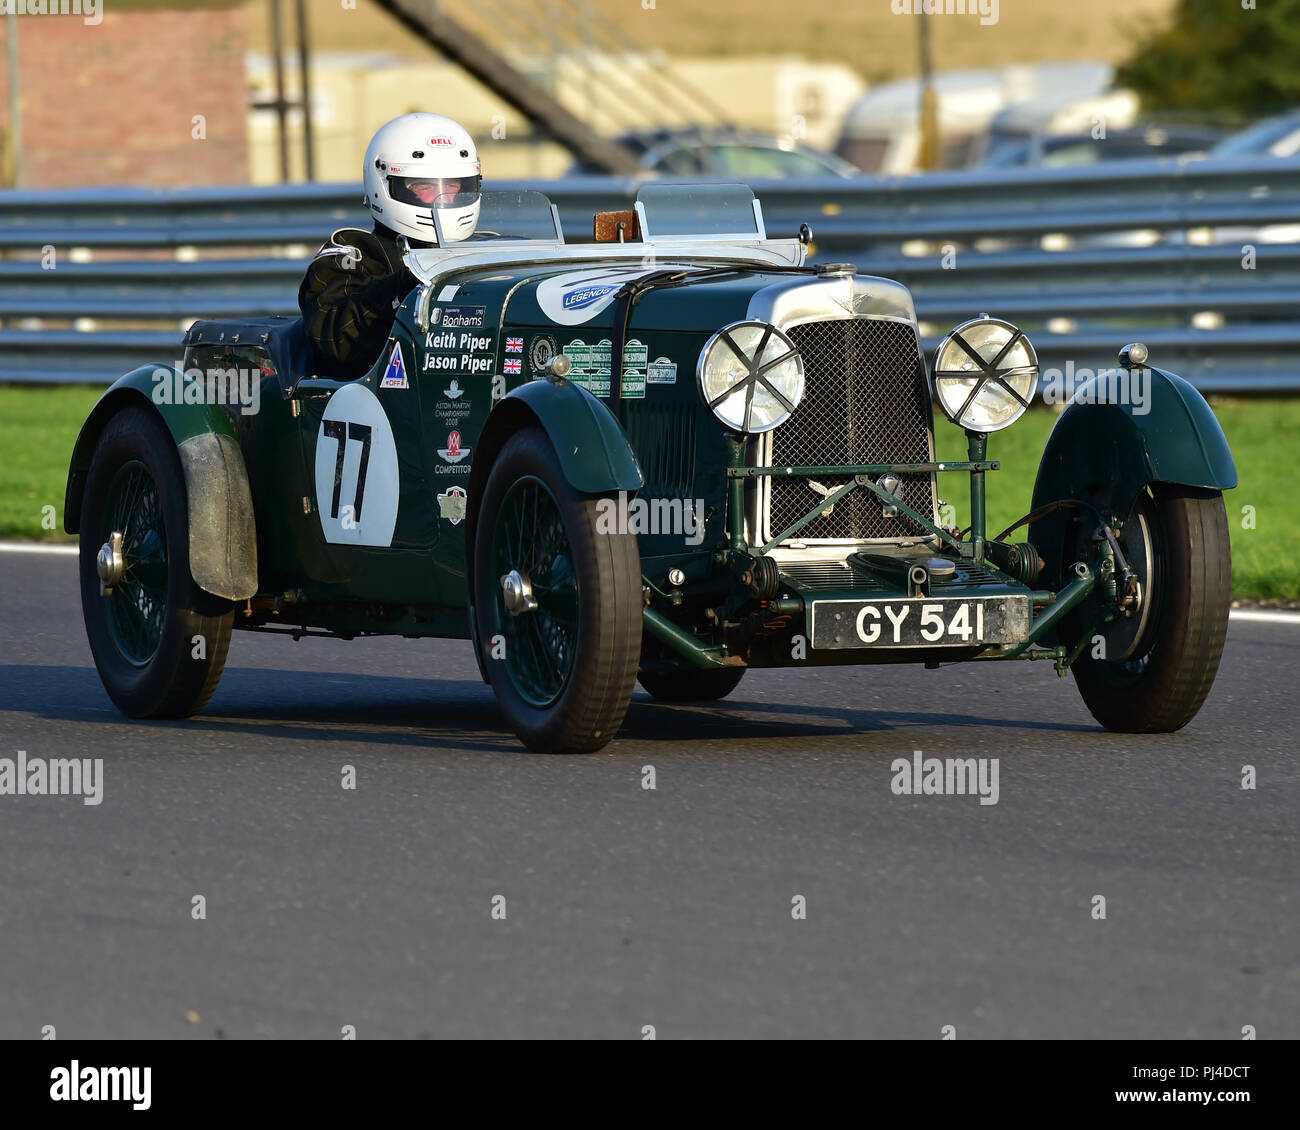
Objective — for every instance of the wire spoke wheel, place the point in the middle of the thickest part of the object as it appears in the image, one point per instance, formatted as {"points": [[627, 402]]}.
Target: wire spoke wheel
{"points": [[557, 604], [531, 541], [136, 606], [159, 642]]}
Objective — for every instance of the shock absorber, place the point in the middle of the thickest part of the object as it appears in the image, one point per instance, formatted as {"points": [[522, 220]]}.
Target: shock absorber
{"points": [[1018, 559]]}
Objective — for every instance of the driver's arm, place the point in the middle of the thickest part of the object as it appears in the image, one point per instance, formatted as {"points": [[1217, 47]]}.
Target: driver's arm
{"points": [[347, 300]]}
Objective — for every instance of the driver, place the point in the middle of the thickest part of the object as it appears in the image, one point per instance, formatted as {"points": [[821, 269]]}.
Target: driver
{"points": [[415, 164]]}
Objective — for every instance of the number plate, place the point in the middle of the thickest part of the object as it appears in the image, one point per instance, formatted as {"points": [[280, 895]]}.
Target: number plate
{"points": [[920, 622]]}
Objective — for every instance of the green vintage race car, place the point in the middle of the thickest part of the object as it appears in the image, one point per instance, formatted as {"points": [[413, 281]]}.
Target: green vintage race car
{"points": [[671, 454]]}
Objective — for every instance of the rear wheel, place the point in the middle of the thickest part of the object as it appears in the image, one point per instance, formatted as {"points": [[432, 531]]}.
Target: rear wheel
{"points": [[692, 686], [158, 640], [557, 603], [1150, 673]]}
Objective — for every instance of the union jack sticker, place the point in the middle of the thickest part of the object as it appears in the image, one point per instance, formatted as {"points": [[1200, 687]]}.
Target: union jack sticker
{"points": [[512, 366], [514, 345]]}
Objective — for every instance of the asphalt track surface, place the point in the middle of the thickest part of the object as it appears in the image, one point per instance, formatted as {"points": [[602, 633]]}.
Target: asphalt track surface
{"points": [[626, 907]]}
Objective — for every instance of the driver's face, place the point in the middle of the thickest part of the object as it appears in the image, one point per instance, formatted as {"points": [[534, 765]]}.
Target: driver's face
{"points": [[428, 193]]}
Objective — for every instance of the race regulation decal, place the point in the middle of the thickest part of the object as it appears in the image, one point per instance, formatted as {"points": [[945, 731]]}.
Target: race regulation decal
{"points": [[395, 374], [592, 363]]}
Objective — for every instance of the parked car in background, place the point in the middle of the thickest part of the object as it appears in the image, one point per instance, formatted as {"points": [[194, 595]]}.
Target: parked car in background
{"points": [[1069, 150], [978, 108], [730, 154], [1273, 137]]}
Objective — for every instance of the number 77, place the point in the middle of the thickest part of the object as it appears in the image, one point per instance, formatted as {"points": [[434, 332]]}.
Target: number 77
{"points": [[341, 432]]}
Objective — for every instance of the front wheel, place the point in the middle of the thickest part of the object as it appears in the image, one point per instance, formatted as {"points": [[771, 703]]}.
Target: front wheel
{"points": [[557, 602], [1150, 673], [158, 641]]}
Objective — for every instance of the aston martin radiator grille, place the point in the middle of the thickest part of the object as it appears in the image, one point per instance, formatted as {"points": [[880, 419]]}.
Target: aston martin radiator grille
{"points": [[865, 401]]}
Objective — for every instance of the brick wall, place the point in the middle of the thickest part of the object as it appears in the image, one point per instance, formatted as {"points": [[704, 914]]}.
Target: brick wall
{"points": [[114, 103]]}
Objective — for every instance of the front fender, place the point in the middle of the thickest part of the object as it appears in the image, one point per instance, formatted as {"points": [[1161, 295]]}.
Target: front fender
{"points": [[592, 448], [222, 538], [1105, 453], [591, 445]]}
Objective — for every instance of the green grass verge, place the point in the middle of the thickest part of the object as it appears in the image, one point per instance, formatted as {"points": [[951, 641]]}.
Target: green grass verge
{"points": [[38, 427]]}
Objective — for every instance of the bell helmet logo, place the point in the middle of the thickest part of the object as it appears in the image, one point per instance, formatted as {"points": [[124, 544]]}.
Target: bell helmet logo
{"points": [[441, 141]]}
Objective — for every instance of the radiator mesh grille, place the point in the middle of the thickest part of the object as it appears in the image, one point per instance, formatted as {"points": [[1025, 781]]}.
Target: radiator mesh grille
{"points": [[865, 401]]}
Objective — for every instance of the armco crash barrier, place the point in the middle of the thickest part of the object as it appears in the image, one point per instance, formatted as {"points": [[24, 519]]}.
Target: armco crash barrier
{"points": [[1199, 260]]}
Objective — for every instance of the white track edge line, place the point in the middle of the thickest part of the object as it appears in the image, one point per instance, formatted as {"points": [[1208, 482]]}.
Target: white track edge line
{"points": [[37, 547], [1258, 615], [1264, 616]]}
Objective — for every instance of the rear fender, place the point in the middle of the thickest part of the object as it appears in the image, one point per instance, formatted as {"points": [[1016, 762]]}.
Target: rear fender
{"points": [[223, 537]]}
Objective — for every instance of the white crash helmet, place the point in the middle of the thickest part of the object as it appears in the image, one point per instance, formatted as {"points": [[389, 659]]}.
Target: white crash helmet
{"points": [[419, 162]]}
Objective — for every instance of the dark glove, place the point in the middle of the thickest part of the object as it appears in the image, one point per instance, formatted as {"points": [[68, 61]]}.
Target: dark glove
{"points": [[397, 286]]}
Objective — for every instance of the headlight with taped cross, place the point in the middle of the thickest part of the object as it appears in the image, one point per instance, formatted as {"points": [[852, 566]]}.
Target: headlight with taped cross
{"points": [[751, 376], [985, 374]]}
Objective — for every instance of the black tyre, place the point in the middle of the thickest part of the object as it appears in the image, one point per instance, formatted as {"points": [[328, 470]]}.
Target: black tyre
{"points": [[1153, 670], [557, 603], [691, 686], [158, 640]]}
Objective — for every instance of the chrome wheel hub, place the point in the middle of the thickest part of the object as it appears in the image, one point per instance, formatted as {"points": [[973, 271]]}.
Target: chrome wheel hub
{"points": [[1127, 633], [517, 592], [109, 564]]}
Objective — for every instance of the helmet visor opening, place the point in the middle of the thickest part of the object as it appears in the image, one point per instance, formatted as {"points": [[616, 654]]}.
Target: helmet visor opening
{"points": [[435, 192]]}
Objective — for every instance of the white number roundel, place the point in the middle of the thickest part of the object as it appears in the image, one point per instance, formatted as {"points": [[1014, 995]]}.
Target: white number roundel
{"points": [[356, 470]]}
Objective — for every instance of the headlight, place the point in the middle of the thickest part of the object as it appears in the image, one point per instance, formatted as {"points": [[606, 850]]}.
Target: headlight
{"points": [[751, 376], [985, 374]]}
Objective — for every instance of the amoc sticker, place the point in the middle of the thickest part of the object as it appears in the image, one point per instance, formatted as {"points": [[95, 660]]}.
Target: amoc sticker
{"points": [[541, 352]]}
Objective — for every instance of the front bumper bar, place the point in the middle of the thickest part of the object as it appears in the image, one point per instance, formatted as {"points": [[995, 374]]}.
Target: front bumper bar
{"points": [[1053, 610]]}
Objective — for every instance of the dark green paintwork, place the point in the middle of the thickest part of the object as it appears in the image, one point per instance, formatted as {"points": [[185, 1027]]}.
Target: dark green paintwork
{"points": [[1106, 453], [663, 443], [977, 446], [593, 449]]}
